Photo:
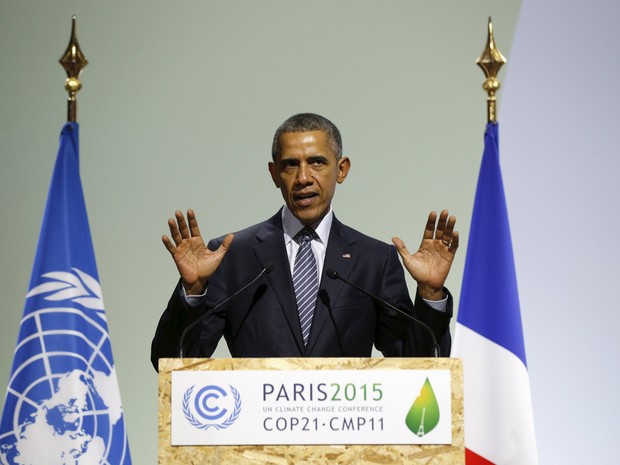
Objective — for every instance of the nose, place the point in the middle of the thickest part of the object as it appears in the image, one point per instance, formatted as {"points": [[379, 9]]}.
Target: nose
{"points": [[303, 175]]}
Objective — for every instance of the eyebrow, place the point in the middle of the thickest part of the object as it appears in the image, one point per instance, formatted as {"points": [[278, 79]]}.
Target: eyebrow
{"points": [[295, 161], [318, 157]]}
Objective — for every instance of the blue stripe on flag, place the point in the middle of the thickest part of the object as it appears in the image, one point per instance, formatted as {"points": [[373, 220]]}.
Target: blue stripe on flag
{"points": [[489, 301]]}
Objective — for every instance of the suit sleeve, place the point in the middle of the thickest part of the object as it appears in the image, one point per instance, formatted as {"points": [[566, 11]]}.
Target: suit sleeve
{"points": [[177, 316], [397, 336], [200, 341]]}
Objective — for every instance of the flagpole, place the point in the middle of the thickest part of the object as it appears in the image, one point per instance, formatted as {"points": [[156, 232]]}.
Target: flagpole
{"points": [[499, 420], [491, 60], [63, 402], [73, 61]]}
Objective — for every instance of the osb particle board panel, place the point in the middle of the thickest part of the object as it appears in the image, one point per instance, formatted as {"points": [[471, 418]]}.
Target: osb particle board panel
{"points": [[303, 455]]}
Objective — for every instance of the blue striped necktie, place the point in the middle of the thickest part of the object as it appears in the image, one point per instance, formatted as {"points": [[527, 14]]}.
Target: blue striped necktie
{"points": [[305, 281]]}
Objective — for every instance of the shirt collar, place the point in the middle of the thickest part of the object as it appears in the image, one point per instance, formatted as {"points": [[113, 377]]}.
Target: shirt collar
{"points": [[291, 225]]}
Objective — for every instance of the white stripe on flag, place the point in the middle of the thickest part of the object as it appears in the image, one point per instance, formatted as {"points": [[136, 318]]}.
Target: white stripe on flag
{"points": [[499, 423]]}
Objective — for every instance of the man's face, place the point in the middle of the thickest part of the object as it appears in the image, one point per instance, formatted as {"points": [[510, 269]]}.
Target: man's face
{"points": [[306, 172]]}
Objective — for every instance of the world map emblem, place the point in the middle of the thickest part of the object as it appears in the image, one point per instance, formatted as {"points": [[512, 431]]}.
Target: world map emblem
{"points": [[63, 391]]}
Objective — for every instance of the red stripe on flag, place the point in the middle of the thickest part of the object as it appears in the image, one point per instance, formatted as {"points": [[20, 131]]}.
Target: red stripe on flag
{"points": [[471, 458]]}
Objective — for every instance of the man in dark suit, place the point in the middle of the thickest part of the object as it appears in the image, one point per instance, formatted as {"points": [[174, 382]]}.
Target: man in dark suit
{"points": [[271, 318]]}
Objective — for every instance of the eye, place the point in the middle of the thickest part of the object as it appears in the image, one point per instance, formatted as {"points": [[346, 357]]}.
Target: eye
{"points": [[316, 161], [288, 165]]}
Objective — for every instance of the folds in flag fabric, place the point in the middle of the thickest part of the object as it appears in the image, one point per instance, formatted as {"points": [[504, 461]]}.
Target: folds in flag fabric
{"points": [[62, 403], [499, 425]]}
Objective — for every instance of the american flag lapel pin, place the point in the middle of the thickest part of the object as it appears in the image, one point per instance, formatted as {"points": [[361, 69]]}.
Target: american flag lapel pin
{"points": [[346, 255]]}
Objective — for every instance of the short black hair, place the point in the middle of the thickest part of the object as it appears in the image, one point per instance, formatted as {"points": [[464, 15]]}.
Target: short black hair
{"points": [[304, 122]]}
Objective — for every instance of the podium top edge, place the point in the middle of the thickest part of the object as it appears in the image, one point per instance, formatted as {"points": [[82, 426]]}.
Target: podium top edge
{"points": [[305, 363]]}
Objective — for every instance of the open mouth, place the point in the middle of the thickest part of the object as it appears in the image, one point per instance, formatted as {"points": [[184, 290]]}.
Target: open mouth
{"points": [[304, 199]]}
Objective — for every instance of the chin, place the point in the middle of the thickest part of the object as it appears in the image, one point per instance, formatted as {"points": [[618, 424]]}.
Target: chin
{"points": [[308, 215]]}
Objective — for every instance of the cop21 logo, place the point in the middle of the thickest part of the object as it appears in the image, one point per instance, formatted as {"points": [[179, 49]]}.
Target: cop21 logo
{"points": [[423, 416], [211, 407]]}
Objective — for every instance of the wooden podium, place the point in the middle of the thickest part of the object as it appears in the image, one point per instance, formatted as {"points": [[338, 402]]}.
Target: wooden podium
{"points": [[453, 454]]}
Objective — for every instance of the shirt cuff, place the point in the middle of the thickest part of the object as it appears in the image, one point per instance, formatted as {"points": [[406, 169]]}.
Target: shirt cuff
{"points": [[193, 300], [439, 305]]}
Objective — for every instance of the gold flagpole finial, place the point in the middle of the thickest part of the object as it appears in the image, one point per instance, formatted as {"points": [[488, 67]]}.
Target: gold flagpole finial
{"points": [[491, 60], [73, 61]]}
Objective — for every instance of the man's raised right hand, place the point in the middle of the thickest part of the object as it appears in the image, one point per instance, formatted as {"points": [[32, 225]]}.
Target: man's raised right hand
{"points": [[195, 262]]}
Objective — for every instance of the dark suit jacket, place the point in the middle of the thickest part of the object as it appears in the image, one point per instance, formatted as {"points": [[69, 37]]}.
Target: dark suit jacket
{"points": [[263, 320]]}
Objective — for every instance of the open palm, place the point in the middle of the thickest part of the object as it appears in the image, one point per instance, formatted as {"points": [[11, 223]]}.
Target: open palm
{"points": [[194, 260], [431, 264]]}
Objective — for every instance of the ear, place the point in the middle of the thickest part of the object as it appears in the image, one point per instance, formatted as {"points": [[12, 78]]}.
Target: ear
{"points": [[274, 174], [344, 165]]}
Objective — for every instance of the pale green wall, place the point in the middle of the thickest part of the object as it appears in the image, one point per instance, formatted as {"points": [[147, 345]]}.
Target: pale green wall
{"points": [[179, 104]]}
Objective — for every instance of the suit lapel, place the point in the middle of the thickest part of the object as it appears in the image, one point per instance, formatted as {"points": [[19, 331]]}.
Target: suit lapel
{"points": [[341, 256], [270, 248]]}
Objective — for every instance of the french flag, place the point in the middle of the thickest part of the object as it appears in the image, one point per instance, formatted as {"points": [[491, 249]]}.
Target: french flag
{"points": [[499, 423]]}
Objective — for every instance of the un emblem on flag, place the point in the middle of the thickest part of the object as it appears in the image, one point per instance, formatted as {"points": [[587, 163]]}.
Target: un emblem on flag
{"points": [[63, 404]]}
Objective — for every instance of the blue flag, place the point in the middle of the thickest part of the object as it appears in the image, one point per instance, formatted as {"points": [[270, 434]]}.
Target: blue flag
{"points": [[63, 403]]}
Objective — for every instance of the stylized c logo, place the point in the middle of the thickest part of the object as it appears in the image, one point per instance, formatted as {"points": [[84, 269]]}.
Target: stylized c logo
{"points": [[201, 402]]}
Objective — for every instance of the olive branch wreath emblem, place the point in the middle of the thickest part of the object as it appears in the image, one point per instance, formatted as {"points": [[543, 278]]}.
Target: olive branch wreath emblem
{"points": [[79, 287], [205, 426]]}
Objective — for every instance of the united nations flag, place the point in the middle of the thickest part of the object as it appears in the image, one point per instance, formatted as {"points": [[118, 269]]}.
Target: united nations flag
{"points": [[63, 404]]}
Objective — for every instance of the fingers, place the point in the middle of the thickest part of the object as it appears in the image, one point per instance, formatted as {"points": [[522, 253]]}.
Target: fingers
{"points": [[175, 227], [441, 225], [429, 229], [455, 242], [400, 247], [179, 228], [182, 227], [169, 245], [176, 237], [193, 223], [443, 230], [225, 245]]}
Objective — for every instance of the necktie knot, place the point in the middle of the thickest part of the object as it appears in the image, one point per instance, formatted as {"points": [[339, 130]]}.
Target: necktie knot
{"points": [[305, 235]]}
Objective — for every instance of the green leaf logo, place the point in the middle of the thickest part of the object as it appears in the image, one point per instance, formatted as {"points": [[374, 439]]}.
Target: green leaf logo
{"points": [[423, 415]]}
